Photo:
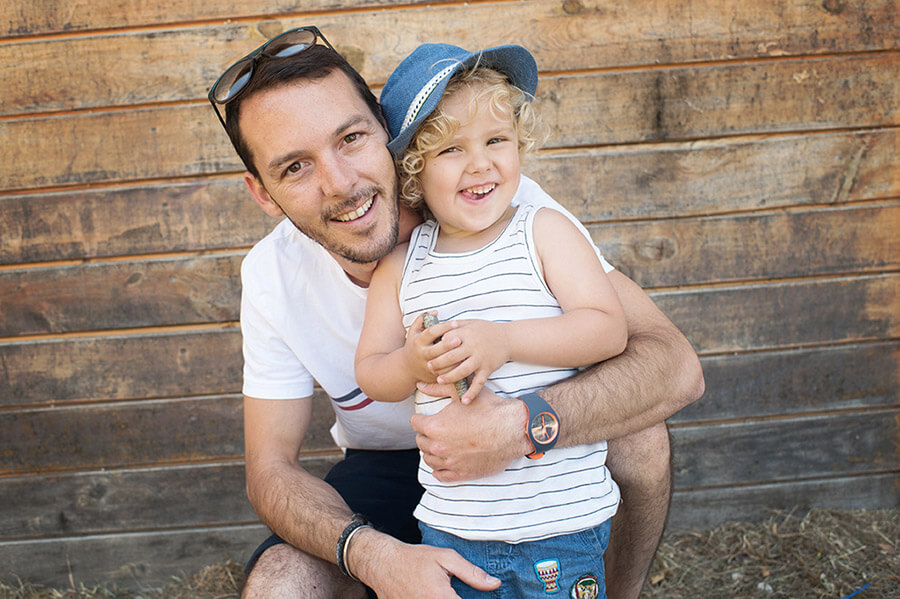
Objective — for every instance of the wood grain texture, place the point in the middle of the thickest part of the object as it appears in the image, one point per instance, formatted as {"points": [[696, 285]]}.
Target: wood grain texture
{"points": [[739, 160], [129, 559], [56, 372], [786, 449], [709, 177], [616, 183], [795, 381], [155, 498], [124, 67], [702, 509], [759, 246], [678, 103], [786, 314], [202, 215], [113, 295]]}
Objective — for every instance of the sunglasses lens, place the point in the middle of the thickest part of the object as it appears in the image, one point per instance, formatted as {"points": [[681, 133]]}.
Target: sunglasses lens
{"points": [[290, 43], [236, 77], [232, 81]]}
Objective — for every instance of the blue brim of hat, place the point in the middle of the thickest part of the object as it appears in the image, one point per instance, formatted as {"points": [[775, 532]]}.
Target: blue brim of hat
{"points": [[417, 85]]}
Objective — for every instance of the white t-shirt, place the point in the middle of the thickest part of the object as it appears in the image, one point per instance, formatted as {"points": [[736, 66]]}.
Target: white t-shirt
{"points": [[301, 317]]}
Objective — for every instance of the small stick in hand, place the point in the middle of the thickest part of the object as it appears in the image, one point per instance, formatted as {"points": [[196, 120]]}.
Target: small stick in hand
{"points": [[462, 385]]}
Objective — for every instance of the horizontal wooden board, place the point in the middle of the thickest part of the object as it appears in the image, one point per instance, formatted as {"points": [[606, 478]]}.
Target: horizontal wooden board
{"points": [[120, 367], [794, 381], [835, 444], [150, 558], [214, 214], [580, 110], [615, 183], [119, 500], [137, 433], [121, 435], [49, 16], [582, 34], [701, 509], [729, 99], [130, 560], [785, 314], [718, 320], [148, 292], [659, 253], [770, 245], [147, 366], [99, 502], [715, 176], [721, 319], [721, 30]]}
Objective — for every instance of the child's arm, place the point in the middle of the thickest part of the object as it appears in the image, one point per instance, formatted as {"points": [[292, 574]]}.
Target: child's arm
{"points": [[389, 361], [591, 329]]}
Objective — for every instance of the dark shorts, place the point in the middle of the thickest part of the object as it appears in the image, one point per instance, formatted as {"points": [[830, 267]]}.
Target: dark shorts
{"points": [[381, 485]]}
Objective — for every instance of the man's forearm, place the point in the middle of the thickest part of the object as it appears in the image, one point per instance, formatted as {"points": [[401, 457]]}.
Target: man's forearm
{"points": [[657, 375], [299, 507], [641, 387]]}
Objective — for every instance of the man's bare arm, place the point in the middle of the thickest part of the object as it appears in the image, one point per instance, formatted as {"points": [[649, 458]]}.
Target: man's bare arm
{"points": [[657, 375], [302, 509], [310, 515]]}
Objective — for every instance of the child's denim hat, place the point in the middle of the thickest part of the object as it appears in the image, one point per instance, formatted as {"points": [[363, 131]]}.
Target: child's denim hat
{"points": [[416, 86]]}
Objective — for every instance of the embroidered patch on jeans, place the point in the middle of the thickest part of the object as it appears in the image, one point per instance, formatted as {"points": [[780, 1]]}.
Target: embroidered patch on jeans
{"points": [[548, 571], [585, 587]]}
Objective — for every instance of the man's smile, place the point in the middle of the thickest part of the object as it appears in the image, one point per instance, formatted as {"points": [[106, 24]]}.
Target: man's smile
{"points": [[355, 214]]}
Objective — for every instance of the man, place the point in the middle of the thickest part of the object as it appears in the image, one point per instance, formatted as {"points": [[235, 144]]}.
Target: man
{"points": [[313, 141]]}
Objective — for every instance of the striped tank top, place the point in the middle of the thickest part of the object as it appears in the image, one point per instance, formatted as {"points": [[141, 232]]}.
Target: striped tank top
{"points": [[567, 490]]}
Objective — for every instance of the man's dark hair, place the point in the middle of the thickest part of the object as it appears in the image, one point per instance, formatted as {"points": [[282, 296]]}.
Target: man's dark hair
{"points": [[314, 63]]}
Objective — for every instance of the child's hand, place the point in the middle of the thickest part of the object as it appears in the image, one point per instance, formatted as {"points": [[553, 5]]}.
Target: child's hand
{"points": [[474, 347], [422, 346]]}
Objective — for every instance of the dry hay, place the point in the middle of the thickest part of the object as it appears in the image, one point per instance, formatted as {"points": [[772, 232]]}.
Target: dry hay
{"points": [[823, 554]]}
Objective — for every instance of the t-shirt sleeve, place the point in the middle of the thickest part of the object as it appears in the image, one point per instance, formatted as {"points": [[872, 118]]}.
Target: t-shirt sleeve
{"points": [[271, 369]]}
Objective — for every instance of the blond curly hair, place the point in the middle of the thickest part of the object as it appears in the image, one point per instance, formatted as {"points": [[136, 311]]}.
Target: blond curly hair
{"points": [[503, 99]]}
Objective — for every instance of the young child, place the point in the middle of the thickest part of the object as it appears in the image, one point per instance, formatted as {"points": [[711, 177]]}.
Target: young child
{"points": [[525, 301]]}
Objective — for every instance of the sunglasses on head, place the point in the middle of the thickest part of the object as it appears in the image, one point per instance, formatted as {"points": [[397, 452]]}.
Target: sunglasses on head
{"points": [[235, 78]]}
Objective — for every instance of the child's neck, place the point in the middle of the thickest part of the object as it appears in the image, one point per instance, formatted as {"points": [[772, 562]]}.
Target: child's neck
{"points": [[455, 241]]}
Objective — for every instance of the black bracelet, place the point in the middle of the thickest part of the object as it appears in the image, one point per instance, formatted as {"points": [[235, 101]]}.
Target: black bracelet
{"points": [[358, 521]]}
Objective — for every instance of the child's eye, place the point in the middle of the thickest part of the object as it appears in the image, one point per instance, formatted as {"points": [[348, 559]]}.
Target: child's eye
{"points": [[447, 150], [496, 140]]}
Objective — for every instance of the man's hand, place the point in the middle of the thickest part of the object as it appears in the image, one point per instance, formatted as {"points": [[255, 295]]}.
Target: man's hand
{"points": [[402, 571], [464, 442]]}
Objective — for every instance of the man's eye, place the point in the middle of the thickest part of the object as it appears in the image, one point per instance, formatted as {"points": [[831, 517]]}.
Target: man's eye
{"points": [[294, 168], [351, 137]]}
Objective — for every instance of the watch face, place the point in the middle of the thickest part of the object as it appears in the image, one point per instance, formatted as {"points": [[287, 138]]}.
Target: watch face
{"points": [[544, 428]]}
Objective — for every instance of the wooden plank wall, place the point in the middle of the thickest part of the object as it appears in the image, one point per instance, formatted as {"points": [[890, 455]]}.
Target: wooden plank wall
{"points": [[739, 160]]}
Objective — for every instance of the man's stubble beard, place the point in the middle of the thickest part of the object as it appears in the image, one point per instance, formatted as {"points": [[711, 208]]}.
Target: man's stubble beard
{"points": [[374, 249]]}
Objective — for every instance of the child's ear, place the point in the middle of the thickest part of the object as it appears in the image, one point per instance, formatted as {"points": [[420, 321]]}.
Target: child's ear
{"points": [[262, 197]]}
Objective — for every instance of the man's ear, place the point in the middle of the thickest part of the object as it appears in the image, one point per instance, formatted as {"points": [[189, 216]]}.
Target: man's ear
{"points": [[262, 197]]}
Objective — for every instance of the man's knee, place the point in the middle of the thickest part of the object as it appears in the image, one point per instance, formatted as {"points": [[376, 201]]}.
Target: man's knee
{"points": [[283, 571], [643, 457]]}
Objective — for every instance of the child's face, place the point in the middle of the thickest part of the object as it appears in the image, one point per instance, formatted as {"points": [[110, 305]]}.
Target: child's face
{"points": [[469, 181]]}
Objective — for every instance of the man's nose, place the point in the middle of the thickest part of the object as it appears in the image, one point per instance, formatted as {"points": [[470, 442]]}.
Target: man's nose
{"points": [[336, 176]]}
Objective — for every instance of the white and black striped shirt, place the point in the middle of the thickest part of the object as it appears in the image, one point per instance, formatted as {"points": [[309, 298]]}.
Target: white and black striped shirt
{"points": [[567, 490]]}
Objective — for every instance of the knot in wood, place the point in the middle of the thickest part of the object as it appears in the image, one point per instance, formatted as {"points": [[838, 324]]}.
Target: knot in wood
{"points": [[835, 7], [572, 7], [655, 248]]}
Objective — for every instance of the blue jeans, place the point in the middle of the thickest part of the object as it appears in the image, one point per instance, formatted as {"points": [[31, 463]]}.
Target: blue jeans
{"points": [[571, 565]]}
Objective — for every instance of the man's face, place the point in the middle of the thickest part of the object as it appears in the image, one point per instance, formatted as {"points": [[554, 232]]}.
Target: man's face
{"points": [[323, 163]]}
